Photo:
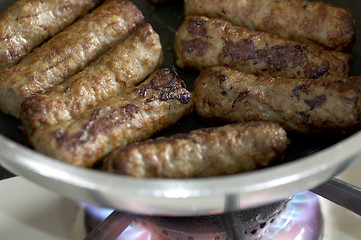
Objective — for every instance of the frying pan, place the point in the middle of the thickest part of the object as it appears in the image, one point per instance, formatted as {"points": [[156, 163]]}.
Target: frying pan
{"points": [[310, 160]]}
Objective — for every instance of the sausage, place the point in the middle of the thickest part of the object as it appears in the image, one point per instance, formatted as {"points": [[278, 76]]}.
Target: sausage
{"points": [[208, 152], [28, 23], [299, 105], [126, 64], [201, 42], [134, 115], [67, 53], [308, 22]]}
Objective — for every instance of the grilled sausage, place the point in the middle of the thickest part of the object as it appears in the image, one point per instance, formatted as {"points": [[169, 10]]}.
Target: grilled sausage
{"points": [[299, 105], [67, 53], [202, 153], [304, 21], [126, 64], [28, 23], [134, 115], [202, 42]]}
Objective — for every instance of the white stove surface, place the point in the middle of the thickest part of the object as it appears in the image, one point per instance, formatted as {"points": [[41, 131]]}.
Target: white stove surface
{"points": [[28, 211]]}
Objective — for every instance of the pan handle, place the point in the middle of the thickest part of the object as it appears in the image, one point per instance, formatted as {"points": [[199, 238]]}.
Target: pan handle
{"points": [[341, 193]]}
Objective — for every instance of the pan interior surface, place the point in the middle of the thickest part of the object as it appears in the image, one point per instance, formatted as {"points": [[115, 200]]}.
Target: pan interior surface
{"points": [[310, 160]]}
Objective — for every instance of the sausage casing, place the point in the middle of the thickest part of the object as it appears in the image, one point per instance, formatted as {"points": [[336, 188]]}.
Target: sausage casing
{"points": [[28, 23], [299, 105], [67, 53], [209, 152], [202, 42], [134, 115], [126, 64], [304, 21]]}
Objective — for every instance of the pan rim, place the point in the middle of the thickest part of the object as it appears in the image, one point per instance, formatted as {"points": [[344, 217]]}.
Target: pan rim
{"points": [[281, 181]]}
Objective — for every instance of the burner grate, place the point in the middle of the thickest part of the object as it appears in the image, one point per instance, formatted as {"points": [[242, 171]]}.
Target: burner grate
{"points": [[263, 223]]}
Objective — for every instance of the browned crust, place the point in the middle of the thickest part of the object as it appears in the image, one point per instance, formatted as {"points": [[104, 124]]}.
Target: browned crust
{"points": [[134, 115], [202, 42], [300, 105], [126, 64], [202, 153], [67, 53], [28, 23], [309, 22]]}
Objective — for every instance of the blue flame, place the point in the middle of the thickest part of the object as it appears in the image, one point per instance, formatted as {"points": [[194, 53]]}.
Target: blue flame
{"points": [[302, 219]]}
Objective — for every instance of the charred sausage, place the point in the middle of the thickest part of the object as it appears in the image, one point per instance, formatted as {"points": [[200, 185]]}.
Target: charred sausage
{"points": [[202, 153], [134, 115], [202, 42], [304, 21], [126, 64], [299, 105], [28, 23], [67, 53]]}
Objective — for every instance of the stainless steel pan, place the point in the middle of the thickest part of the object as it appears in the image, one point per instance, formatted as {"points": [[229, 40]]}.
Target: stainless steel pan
{"points": [[310, 161]]}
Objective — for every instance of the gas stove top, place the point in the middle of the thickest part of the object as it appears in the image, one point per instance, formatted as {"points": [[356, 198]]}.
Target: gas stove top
{"points": [[31, 212]]}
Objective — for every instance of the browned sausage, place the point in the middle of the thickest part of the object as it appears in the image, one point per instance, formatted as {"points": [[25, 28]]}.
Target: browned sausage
{"points": [[202, 153], [202, 42], [28, 23], [304, 21], [67, 53], [126, 64], [134, 115], [299, 105]]}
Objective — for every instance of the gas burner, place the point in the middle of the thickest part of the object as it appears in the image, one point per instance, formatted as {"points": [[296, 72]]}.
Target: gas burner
{"points": [[298, 218]]}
